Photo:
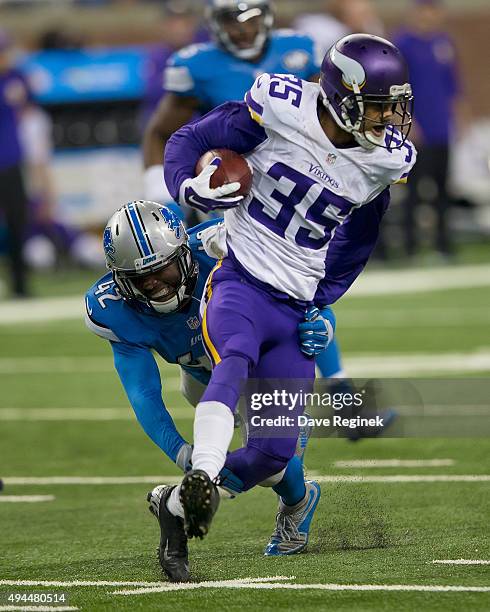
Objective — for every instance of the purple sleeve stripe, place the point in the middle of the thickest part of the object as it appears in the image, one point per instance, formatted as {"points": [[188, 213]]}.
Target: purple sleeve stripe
{"points": [[255, 106]]}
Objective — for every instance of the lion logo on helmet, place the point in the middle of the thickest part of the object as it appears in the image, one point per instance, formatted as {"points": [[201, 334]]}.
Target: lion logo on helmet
{"points": [[172, 221], [109, 248]]}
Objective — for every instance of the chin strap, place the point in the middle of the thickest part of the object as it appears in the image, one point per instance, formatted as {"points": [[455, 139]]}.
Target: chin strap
{"points": [[345, 123]]}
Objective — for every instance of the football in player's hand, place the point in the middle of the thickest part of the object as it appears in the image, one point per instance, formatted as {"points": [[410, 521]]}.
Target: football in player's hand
{"points": [[233, 168]]}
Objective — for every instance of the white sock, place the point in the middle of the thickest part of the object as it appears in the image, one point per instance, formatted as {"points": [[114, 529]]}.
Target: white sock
{"points": [[213, 431], [173, 503]]}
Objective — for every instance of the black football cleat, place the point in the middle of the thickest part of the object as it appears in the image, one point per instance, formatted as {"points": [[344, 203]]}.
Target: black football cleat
{"points": [[200, 499], [172, 551]]}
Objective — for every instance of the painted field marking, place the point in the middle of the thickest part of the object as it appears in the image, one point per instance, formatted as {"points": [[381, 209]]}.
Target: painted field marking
{"points": [[415, 280], [78, 583], [250, 584], [123, 480], [462, 561], [70, 365], [38, 608], [386, 282], [387, 463], [423, 364], [461, 409], [29, 499], [184, 413], [406, 478], [270, 582], [355, 318], [90, 480], [82, 414], [234, 583], [357, 365]]}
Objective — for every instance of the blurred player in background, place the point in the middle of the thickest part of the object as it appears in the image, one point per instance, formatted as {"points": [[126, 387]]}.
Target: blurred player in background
{"points": [[15, 95], [150, 302], [431, 57], [179, 28], [200, 77], [48, 238], [324, 157]]}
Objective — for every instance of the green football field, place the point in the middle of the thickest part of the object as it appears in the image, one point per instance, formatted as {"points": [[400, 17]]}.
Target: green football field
{"points": [[70, 444]]}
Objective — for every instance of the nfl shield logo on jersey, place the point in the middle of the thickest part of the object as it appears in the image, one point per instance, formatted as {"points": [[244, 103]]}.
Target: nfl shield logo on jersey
{"points": [[331, 159], [193, 322]]}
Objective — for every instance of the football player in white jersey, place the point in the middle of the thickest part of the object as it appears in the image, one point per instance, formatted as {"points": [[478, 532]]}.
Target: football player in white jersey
{"points": [[324, 156]]}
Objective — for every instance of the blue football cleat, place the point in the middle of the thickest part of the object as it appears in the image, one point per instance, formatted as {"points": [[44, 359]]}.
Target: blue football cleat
{"points": [[290, 536]]}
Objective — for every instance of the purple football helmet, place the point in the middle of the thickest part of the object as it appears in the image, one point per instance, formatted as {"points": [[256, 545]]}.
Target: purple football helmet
{"points": [[225, 14], [360, 70]]}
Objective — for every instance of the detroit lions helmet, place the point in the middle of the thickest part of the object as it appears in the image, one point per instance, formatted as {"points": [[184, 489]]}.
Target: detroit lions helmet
{"points": [[146, 248], [362, 69], [227, 18]]}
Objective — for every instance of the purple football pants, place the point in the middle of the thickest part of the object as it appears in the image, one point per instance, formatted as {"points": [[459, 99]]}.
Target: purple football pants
{"points": [[250, 334]]}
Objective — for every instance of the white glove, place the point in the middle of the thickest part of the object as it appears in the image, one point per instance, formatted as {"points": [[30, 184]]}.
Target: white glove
{"points": [[213, 240], [198, 193]]}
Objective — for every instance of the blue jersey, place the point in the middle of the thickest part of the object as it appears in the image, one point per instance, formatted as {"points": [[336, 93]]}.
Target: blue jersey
{"points": [[134, 331], [214, 76]]}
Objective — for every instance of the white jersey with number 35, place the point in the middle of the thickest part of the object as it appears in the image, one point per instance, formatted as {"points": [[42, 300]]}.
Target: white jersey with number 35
{"points": [[304, 188]]}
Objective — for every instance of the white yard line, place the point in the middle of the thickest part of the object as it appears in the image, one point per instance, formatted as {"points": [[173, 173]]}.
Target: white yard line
{"points": [[459, 409], [38, 608], [82, 414], [90, 480], [354, 318], [242, 584], [388, 463], [30, 499], [124, 480], [406, 478], [140, 585], [184, 413], [42, 309], [69, 365], [420, 280], [357, 365], [386, 282], [272, 582], [77, 583], [462, 561], [422, 364]]}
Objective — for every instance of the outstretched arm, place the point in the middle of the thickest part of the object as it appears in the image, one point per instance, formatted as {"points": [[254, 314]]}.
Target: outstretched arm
{"points": [[140, 377]]}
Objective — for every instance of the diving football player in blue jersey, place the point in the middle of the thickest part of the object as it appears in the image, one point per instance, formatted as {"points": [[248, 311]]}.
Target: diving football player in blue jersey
{"points": [[150, 302]]}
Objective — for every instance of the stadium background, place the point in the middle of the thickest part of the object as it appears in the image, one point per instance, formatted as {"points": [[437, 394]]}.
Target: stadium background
{"points": [[64, 419]]}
